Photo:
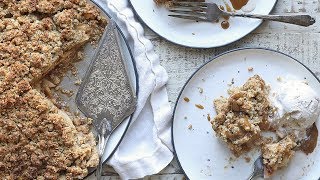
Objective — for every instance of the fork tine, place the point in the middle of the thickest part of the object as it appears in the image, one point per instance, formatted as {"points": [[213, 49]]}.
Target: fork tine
{"points": [[197, 9], [189, 4], [202, 2], [183, 12], [195, 18]]}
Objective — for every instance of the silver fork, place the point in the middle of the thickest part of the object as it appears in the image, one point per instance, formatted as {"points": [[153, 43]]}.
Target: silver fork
{"points": [[210, 12], [258, 169]]}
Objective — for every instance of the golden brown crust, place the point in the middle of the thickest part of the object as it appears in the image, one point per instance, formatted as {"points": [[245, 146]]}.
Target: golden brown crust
{"points": [[40, 141], [34, 35], [277, 155], [239, 117]]}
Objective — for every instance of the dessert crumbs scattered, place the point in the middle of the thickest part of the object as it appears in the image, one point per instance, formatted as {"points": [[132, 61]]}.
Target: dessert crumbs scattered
{"points": [[247, 159], [232, 82], [55, 79], [208, 117], [250, 69], [77, 113], [232, 167], [57, 88], [186, 99], [80, 55], [69, 93], [74, 71], [193, 33], [231, 159], [78, 82], [185, 117], [200, 90], [199, 106], [190, 126], [279, 78]]}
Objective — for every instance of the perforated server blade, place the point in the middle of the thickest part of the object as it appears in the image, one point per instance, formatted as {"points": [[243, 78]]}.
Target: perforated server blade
{"points": [[106, 94]]}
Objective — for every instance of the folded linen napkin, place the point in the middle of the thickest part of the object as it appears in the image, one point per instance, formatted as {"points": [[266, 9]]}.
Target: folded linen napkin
{"points": [[146, 148]]}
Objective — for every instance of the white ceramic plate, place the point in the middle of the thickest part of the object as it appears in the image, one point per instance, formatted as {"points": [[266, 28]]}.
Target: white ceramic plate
{"points": [[200, 153], [68, 83], [198, 34]]}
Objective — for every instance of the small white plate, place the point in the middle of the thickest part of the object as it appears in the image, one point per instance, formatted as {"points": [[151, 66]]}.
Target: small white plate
{"points": [[198, 34], [200, 153]]}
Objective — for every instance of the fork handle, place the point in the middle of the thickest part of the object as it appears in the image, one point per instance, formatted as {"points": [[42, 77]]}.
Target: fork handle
{"points": [[301, 20]]}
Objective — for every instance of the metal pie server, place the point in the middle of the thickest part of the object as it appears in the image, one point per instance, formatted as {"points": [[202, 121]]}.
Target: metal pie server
{"points": [[106, 94]]}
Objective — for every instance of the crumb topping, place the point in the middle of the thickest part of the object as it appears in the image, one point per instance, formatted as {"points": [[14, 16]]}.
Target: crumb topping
{"points": [[38, 140], [277, 155], [34, 37], [239, 117]]}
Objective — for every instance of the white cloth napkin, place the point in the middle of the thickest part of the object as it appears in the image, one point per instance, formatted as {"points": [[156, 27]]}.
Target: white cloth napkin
{"points": [[146, 148]]}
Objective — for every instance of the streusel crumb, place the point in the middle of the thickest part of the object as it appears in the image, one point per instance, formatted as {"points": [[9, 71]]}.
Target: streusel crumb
{"points": [[277, 155], [39, 141], [36, 35], [240, 116]]}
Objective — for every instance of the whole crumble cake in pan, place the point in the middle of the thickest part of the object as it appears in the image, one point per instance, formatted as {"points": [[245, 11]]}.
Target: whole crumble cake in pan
{"points": [[38, 140]]}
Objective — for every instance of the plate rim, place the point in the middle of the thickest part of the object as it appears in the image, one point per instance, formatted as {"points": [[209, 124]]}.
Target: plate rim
{"points": [[199, 47], [136, 78], [213, 59]]}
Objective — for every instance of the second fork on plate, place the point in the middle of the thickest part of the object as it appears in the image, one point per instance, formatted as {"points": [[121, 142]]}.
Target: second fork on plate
{"points": [[210, 12]]}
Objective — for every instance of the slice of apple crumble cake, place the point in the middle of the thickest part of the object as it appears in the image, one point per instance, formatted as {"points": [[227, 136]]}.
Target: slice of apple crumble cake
{"points": [[239, 117]]}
